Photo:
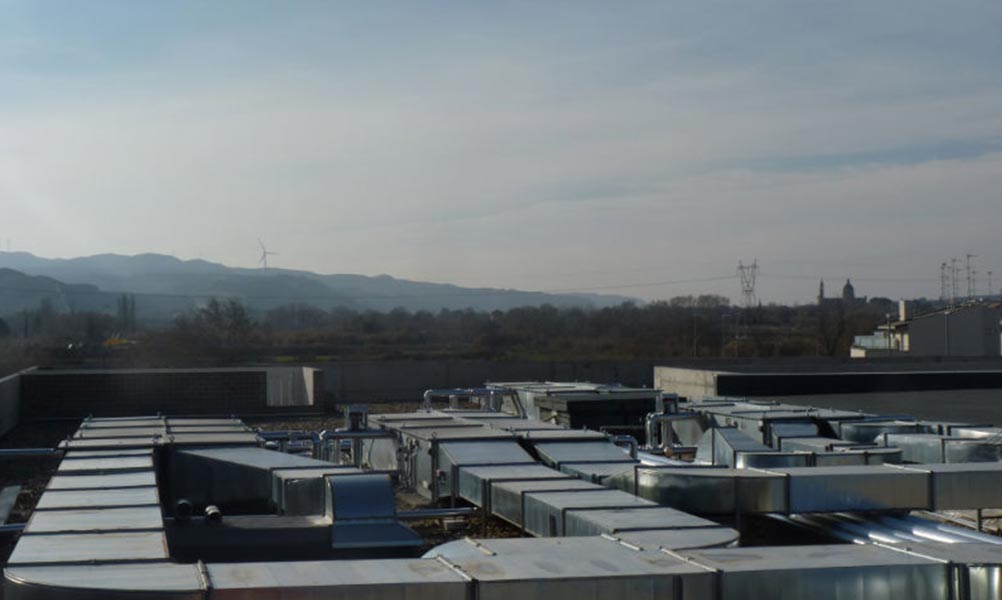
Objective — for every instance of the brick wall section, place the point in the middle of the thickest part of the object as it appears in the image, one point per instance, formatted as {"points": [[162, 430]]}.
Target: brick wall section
{"points": [[124, 393]]}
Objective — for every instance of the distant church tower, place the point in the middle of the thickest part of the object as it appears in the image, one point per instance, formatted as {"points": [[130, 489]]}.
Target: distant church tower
{"points": [[848, 293], [821, 293]]}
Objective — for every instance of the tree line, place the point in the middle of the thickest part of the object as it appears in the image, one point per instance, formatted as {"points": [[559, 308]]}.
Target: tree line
{"points": [[704, 326]]}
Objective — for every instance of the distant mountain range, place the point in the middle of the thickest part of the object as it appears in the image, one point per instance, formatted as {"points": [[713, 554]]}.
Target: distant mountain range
{"points": [[165, 286]]}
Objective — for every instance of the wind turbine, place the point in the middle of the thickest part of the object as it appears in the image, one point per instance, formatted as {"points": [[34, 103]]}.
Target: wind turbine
{"points": [[263, 261]]}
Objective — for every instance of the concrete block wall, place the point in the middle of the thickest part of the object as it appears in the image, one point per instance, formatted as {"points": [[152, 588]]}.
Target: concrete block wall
{"points": [[127, 392]]}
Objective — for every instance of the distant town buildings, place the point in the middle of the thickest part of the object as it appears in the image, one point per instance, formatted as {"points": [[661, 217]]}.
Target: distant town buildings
{"points": [[847, 299]]}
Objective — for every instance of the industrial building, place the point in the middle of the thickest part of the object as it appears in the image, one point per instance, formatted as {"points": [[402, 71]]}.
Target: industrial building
{"points": [[967, 330], [933, 389], [715, 498]]}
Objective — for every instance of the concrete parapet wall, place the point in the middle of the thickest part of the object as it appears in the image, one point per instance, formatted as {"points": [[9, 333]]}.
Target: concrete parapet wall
{"points": [[694, 384], [10, 401], [399, 380], [77, 393]]}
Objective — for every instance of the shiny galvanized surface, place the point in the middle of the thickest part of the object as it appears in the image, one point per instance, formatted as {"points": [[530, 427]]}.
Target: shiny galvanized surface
{"points": [[964, 450], [121, 432], [214, 439], [86, 547], [618, 520], [507, 496], [682, 539], [207, 429], [456, 433], [557, 453], [839, 459], [983, 582], [118, 581], [139, 496], [599, 472], [880, 456], [544, 512], [224, 475], [978, 567], [767, 460], [474, 481], [963, 486], [301, 491], [105, 464], [781, 430], [865, 431], [385, 533], [95, 519], [713, 490], [98, 482], [197, 422], [83, 454], [563, 435], [392, 418], [834, 489], [976, 432], [413, 579], [721, 445], [454, 455], [360, 496], [115, 423], [917, 447], [581, 568], [527, 425], [843, 572], [110, 444], [815, 444]]}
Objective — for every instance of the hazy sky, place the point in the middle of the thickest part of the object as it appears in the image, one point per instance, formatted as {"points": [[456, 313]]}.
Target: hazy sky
{"points": [[540, 145]]}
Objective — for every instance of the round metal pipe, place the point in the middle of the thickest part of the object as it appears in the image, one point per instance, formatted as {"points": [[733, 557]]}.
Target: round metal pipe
{"points": [[28, 452], [213, 514], [434, 513]]}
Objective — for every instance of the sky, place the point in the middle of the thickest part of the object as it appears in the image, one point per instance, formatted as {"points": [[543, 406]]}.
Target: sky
{"points": [[638, 148]]}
